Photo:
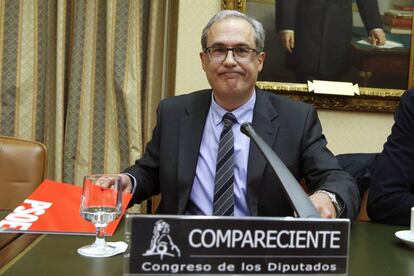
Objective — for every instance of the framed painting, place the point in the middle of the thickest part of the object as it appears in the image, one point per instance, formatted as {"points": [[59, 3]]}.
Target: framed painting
{"points": [[374, 96]]}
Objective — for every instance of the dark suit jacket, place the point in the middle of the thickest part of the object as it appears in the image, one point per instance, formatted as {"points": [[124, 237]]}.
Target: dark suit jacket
{"points": [[290, 127], [323, 32], [391, 192]]}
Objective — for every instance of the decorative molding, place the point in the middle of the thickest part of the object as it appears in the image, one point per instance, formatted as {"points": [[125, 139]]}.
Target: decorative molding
{"points": [[369, 100], [355, 7], [239, 5], [411, 71]]}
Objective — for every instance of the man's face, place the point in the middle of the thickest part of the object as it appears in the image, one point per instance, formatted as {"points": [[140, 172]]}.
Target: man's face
{"points": [[232, 81]]}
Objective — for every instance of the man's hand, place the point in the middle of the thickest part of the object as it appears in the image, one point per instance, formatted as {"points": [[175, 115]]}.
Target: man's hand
{"points": [[126, 183], [287, 39], [377, 37], [324, 205]]}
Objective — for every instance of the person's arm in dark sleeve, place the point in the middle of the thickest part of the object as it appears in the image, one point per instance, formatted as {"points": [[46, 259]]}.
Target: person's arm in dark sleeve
{"points": [[285, 15], [370, 15], [285, 23], [391, 191], [322, 171]]}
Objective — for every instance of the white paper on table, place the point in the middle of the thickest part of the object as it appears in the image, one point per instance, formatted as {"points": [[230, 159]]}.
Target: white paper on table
{"points": [[120, 246], [388, 45]]}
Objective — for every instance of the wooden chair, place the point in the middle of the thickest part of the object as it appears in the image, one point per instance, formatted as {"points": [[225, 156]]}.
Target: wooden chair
{"points": [[22, 169], [363, 214]]}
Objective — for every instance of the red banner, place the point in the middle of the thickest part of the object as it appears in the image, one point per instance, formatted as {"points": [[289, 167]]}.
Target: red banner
{"points": [[54, 208]]}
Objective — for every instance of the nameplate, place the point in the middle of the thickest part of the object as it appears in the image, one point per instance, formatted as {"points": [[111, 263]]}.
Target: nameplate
{"points": [[228, 245], [333, 88]]}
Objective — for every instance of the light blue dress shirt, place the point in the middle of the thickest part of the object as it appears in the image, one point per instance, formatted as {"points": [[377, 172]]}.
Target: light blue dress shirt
{"points": [[202, 193]]}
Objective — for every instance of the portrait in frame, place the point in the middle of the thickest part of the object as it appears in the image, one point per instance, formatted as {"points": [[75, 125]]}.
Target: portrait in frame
{"points": [[370, 99]]}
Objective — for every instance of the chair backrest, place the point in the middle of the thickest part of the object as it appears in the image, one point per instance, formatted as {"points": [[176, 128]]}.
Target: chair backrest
{"points": [[22, 169]]}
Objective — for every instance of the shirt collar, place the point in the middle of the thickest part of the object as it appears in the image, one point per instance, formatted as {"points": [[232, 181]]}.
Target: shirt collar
{"points": [[242, 113]]}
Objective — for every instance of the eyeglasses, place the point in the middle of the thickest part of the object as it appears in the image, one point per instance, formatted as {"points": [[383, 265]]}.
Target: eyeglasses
{"points": [[219, 54]]}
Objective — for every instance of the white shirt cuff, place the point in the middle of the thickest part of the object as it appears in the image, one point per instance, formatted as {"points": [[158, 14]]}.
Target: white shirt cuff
{"points": [[134, 182], [375, 29]]}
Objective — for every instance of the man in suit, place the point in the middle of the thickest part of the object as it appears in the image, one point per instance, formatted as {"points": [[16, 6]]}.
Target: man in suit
{"points": [[180, 160], [391, 191], [317, 35]]}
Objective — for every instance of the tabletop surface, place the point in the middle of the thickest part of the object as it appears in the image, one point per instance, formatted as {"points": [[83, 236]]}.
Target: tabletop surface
{"points": [[374, 250]]}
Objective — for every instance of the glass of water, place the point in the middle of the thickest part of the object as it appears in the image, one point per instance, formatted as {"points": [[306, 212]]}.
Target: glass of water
{"points": [[101, 203]]}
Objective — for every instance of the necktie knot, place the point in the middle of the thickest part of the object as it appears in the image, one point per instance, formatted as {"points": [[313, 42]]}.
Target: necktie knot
{"points": [[229, 119]]}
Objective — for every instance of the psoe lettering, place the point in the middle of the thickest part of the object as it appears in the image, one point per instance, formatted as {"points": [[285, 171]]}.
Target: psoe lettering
{"points": [[23, 216]]}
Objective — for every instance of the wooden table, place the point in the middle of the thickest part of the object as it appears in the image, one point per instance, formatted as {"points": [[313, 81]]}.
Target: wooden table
{"points": [[374, 250], [373, 61], [12, 244]]}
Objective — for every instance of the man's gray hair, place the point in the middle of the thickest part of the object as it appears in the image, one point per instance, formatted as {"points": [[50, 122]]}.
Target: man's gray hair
{"points": [[259, 33]]}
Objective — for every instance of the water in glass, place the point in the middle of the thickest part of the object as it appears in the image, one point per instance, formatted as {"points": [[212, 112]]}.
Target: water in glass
{"points": [[101, 203]]}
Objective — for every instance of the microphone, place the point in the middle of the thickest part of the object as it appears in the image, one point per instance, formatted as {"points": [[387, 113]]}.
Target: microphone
{"points": [[297, 197]]}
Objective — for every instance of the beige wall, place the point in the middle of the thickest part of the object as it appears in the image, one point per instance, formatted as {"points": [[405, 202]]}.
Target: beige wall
{"points": [[193, 16], [345, 131], [355, 131]]}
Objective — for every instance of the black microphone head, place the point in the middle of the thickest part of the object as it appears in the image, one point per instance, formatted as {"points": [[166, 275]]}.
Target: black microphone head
{"points": [[245, 127]]}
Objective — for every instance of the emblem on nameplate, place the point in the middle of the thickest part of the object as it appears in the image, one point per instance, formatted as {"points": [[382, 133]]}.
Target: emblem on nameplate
{"points": [[161, 242]]}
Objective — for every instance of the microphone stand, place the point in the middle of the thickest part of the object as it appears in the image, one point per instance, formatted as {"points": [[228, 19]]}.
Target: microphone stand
{"points": [[297, 197]]}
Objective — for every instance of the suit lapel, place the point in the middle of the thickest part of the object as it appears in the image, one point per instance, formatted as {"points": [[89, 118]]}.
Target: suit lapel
{"points": [[266, 124], [190, 135]]}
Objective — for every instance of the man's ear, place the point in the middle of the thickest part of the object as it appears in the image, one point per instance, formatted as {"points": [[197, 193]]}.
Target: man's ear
{"points": [[260, 60], [203, 58]]}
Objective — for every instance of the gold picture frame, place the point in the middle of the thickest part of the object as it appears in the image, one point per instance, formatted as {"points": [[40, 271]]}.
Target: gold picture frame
{"points": [[370, 99]]}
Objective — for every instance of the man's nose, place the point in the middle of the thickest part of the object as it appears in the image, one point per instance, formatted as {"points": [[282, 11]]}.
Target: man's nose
{"points": [[230, 60]]}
